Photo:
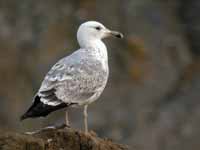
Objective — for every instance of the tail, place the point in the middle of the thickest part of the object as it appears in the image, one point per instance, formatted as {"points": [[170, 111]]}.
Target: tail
{"points": [[39, 109], [23, 117]]}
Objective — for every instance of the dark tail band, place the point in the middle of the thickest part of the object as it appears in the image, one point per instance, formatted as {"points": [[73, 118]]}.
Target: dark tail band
{"points": [[39, 109]]}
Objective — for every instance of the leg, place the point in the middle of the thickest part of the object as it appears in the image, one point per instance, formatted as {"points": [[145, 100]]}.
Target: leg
{"points": [[67, 119], [85, 118]]}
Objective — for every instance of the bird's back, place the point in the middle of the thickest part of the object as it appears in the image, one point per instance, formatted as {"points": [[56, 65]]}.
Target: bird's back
{"points": [[77, 77]]}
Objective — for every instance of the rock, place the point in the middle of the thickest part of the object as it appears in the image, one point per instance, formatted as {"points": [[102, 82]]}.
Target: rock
{"points": [[56, 139]]}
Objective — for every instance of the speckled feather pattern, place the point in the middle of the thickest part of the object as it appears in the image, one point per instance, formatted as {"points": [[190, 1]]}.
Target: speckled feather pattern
{"points": [[79, 78]]}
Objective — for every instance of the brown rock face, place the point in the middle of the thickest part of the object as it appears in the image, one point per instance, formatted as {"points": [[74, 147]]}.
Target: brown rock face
{"points": [[53, 139]]}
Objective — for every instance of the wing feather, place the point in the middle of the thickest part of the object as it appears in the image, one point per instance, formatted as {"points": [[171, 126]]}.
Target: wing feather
{"points": [[73, 80]]}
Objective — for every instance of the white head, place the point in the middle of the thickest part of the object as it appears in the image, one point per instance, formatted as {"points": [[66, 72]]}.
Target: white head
{"points": [[94, 31]]}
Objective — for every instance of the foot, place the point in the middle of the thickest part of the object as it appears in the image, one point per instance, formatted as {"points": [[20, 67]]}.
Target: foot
{"points": [[62, 126]]}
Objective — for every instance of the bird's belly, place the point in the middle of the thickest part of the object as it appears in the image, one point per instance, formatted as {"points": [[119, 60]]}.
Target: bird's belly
{"points": [[96, 94], [90, 100], [84, 90]]}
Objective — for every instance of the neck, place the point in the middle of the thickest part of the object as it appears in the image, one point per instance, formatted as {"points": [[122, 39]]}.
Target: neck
{"points": [[97, 47], [86, 43]]}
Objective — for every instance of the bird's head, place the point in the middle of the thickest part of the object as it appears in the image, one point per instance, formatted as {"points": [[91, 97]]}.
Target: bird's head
{"points": [[93, 30]]}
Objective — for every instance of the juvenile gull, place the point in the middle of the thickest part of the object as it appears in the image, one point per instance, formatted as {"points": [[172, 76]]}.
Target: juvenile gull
{"points": [[77, 79]]}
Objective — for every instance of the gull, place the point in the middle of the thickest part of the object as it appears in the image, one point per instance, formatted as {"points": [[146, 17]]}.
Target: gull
{"points": [[78, 79]]}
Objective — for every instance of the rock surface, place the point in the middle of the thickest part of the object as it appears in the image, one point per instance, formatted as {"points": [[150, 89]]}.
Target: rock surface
{"points": [[56, 139]]}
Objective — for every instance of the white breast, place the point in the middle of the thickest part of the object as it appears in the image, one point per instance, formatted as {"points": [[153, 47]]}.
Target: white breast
{"points": [[101, 53]]}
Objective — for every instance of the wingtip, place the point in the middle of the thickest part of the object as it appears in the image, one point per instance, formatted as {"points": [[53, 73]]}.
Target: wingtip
{"points": [[23, 117]]}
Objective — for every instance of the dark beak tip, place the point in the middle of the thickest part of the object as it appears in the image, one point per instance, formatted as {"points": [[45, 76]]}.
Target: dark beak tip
{"points": [[116, 34], [119, 35]]}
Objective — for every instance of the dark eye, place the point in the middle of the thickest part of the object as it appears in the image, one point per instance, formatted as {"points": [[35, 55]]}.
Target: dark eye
{"points": [[98, 28]]}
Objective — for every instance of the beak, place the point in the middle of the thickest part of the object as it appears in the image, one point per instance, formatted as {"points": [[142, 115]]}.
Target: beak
{"points": [[114, 33]]}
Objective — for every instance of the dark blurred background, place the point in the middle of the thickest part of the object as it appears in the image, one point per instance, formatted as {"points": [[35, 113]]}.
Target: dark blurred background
{"points": [[152, 97]]}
